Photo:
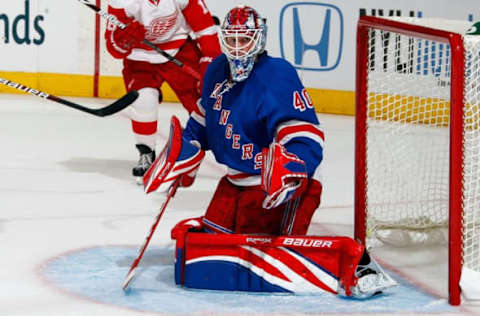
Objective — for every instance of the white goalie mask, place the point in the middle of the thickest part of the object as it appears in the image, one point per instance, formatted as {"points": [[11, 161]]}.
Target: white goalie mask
{"points": [[242, 39]]}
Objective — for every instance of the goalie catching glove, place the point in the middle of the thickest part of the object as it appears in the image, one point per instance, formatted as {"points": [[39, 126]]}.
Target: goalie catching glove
{"points": [[284, 175], [179, 159]]}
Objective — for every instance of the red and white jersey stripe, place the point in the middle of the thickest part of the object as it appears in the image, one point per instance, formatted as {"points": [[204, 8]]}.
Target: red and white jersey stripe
{"points": [[293, 129], [242, 179]]}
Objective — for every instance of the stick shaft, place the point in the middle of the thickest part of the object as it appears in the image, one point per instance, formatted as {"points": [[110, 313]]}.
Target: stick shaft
{"points": [[136, 262], [115, 107]]}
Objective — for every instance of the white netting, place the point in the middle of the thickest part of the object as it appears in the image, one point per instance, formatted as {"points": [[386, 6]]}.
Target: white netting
{"points": [[408, 109], [471, 178]]}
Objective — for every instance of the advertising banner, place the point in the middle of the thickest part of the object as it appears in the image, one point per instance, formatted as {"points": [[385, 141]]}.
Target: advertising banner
{"points": [[56, 39]]}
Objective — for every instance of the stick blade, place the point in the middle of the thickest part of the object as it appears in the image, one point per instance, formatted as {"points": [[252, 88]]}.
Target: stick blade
{"points": [[118, 105], [129, 280]]}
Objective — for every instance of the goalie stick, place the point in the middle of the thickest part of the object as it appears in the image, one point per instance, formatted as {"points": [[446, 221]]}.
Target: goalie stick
{"points": [[114, 20], [132, 272], [116, 106]]}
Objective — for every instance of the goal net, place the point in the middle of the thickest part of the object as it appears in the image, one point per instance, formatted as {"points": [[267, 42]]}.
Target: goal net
{"points": [[417, 158]]}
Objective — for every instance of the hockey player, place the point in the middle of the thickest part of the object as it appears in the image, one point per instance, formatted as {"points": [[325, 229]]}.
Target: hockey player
{"points": [[182, 28], [258, 120]]}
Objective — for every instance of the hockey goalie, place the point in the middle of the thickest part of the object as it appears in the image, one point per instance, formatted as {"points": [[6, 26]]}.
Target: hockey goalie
{"points": [[257, 119]]}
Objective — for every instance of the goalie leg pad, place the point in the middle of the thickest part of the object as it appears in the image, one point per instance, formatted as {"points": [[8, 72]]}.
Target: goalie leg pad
{"points": [[297, 220], [235, 209], [178, 233], [262, 263]]}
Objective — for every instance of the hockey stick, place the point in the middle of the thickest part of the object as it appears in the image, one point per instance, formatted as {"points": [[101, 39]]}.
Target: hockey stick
{"points": [[114, 20], [132, 272], [116, 106]]}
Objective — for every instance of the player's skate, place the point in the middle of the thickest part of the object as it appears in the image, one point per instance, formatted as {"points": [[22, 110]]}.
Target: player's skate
{"points": [[147, 156], [372, 280]]}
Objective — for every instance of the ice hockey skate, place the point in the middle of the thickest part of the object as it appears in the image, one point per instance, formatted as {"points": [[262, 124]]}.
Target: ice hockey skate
{"points": [[372, 280], [147, 156]]}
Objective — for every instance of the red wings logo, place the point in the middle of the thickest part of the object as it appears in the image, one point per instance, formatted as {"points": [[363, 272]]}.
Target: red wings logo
{"points": [[161, 26]]}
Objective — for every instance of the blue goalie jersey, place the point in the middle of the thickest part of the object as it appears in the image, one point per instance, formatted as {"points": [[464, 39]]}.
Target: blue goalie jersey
{"points": [[238, 119]]}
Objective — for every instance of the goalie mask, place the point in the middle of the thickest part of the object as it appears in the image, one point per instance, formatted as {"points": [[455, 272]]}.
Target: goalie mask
{"points": [[242, 39]]}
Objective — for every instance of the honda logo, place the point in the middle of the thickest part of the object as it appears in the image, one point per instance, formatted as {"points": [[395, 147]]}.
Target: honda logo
{"points": [[311, 35]]}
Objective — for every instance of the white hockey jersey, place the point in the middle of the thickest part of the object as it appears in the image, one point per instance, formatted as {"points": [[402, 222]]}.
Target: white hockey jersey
{"points": [[168, 22]]}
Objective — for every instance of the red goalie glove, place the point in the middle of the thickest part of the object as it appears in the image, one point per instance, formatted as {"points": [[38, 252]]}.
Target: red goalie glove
{"points": [[284, 176], [178, 159]]}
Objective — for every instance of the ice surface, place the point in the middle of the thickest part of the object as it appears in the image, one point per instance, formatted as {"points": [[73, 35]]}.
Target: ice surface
{"points": [[69, 210], [95, 273]]}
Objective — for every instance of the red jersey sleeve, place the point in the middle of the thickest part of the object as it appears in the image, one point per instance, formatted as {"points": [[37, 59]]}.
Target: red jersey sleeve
{"points": [[201, 22]]}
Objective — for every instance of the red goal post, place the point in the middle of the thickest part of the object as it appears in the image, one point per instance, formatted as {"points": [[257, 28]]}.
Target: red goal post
{"points": [[417, 122]]}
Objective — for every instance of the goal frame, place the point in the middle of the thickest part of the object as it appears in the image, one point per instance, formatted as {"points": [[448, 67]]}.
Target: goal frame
{"points": [[456, 152]]}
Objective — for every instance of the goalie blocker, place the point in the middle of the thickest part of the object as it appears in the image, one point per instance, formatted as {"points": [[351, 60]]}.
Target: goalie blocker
{"points": [[263, 263]]}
